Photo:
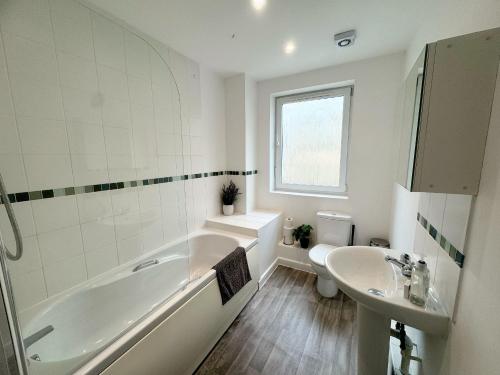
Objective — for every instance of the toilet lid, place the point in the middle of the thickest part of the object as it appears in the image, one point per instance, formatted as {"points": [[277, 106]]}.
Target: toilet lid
{"points": [[319, 252]]}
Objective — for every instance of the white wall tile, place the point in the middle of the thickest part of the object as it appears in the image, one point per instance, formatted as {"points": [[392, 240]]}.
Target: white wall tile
{"points": [[152, 230], [167, 165], [9, 141], [56, 213], [166, 143], [143, 117], [24, 217], [101, 260], [30, 261], [12, 169], [129, 249], [109, 43], [127, 225], [77, 72], [29, 289], [60, 244], [74, 35], [33, 61], [446, 280], [423, 203], [94, 103], [48, 171], [90, 169], [197, 146], [137, 56], [70, 9], [160, 73], [426, 248], [145, 142], [98, 234], [29, 19], [113, 83], [125, 201], [43, 136], [86, 138], [140, 92], [6, 108], [456, 218], [149, 197], [121, 168], [118, 141], [82, 106], [116, 112], [436, 210], [94, 206], [147, 166], [65, 274], [36, 100]]}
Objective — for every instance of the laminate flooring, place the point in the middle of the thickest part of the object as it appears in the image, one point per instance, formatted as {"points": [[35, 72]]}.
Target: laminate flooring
{"points": [[288, 329]]}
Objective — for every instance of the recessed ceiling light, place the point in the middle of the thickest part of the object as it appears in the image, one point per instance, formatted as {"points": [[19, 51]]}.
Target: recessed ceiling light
{"points": [[259, 4], [289, 47]]}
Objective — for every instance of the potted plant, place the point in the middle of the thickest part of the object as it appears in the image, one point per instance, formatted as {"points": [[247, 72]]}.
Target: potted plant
{"points": [[229, 196], [302, 234]]}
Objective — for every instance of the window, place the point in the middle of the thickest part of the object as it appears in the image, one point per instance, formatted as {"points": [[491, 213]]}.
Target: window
{"points": [[311, 141]]}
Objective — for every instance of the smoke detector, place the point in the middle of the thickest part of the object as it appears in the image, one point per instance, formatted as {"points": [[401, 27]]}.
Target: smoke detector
{"points": [[345, 39]]}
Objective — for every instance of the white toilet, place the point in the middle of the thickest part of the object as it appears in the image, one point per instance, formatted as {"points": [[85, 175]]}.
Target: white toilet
{"points": [[332, 230]]}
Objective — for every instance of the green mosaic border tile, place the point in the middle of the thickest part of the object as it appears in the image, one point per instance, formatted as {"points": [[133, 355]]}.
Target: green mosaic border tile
{"points": [[75, 190], [455, 254]]}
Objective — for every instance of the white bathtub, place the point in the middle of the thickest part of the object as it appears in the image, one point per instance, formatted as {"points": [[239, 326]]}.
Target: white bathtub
{"points": [[97, 322]]}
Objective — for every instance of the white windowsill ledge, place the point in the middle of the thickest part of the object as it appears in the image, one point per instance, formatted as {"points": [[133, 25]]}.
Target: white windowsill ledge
{"points": [[312, 195]]}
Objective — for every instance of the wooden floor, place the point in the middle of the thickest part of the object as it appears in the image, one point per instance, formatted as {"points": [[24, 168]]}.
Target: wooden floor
{"points": [[288, 328]]}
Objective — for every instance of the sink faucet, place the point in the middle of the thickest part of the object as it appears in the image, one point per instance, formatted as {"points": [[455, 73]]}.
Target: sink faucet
{"points": [[404, 262]]}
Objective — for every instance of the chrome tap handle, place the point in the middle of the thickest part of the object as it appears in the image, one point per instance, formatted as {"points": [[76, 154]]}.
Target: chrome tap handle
{"points": [[405, 258], [13, 223]]}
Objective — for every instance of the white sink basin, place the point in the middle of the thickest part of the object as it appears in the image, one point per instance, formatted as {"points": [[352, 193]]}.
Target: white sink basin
{"points": [[358, 269]]}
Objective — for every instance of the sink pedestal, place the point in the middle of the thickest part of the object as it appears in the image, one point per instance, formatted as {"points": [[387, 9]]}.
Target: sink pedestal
{"points": [[373, 342]]}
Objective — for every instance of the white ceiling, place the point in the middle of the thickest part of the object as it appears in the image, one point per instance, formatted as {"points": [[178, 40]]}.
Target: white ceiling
{"points": [[203, 29]]}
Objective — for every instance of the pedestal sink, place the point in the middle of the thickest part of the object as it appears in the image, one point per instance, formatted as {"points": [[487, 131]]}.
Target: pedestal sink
{"points": [[377, 286]]}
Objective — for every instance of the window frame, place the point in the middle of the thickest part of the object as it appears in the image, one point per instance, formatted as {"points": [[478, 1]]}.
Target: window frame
{"points": [[345, 92]]}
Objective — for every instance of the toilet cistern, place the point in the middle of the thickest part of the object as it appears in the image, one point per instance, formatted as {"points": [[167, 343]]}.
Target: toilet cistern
{"points": [[333, 230]]}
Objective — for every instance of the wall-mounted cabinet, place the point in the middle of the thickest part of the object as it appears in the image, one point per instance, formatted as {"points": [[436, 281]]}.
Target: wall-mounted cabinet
{"points": [[446, 114]]}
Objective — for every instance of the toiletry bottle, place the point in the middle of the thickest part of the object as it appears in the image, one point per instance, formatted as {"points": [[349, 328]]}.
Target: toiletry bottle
{"points": [[419, 283]]}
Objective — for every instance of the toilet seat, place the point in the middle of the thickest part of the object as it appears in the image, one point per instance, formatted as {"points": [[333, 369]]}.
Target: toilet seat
{"points": [[319, 252]]}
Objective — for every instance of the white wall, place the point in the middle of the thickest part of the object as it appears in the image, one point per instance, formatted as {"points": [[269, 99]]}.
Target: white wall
{"points": [[471, 346], [448, 18], [370, 166]]}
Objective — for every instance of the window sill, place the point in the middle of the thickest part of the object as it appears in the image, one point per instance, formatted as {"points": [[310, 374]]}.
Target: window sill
{"points": [[311, 195]]}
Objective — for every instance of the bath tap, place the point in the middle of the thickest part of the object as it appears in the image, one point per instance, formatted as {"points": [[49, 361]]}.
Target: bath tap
{"points": [[404, 263], [145, 264]]}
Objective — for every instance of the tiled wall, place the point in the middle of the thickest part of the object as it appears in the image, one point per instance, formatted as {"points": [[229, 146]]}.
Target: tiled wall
{"points": [[84, 101], [440, 234]]}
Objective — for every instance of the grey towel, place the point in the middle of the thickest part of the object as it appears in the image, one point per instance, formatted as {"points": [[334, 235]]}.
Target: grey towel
{"points": [[232, 273]]}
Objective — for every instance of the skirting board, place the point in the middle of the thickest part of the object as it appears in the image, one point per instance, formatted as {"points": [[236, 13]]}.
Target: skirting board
{"points": [[279, 261]]}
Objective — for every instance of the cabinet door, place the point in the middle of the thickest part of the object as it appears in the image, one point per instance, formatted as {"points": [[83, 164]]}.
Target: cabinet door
{"points": [[410, 120], [455, 115]]}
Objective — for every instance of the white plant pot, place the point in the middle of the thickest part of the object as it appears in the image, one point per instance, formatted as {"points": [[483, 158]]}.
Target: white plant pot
{"points": [[228, 209]]}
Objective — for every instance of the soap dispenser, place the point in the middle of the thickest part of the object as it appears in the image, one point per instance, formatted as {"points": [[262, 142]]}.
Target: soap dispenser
{"points": [[420, 279]]}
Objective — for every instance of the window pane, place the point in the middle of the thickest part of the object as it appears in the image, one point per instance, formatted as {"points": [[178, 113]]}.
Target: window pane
{"points": [[312, 141]]}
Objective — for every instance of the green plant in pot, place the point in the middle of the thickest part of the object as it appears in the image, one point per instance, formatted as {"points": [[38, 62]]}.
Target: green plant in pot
{"points": [[229, 195], [303, 235]]}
